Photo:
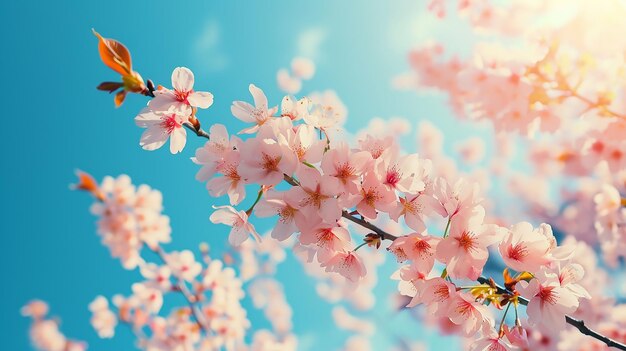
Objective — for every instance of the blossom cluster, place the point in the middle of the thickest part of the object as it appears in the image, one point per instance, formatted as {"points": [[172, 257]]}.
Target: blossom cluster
{"points": [[130, 219], [332, 183], [537, 76], [44, 331], [554, 81]]}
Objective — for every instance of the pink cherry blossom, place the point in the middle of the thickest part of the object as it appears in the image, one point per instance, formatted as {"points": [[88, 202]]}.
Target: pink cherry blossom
{"points": [[397, 172], [437, 294], [333, 108], [570, 276], [472, 150], [464, 250], [304, 143], [608, 201], [419, 248], [275, 203], [294, 109], [516, 336], [411, 282], [231, 182], [161, 126], [315, 196], [36, 309], [266, 161], [329, 239], [376, 146], [414, 208], [183, 97], [525, 249], [347, 264], [103, 319], [183, 265], [549, 301], [491, 341], [158, 276], [471, 315], [257, 114], [322, 117], [211, 155], [238, 220], [44, 331], [130, 217], [45, 335], [346, 166], [373, 196], [455, 198]]}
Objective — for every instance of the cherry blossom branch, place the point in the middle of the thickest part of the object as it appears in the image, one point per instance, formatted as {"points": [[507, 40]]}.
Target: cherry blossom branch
{"points": [[576, 323], [189, 296]]}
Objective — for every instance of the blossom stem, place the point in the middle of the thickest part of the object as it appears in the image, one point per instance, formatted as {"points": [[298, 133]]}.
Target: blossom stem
{"points": [[249, 211], [199, 132], [576, 323], [327, 140], [308, 164], [506, 311], [358, 247], [445, 232], [470, 287]]}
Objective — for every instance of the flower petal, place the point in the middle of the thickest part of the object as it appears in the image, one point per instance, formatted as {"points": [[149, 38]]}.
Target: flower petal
{"points": [[182, 79], [200, 99]]}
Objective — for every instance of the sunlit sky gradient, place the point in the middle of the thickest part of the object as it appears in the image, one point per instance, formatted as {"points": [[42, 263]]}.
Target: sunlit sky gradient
{"points": [[56, 121]]}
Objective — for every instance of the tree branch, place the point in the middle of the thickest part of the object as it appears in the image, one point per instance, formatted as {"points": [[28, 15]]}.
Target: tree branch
{"points": [[365, 224]]}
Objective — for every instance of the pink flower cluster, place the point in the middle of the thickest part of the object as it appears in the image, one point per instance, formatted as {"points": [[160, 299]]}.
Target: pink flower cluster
{"points": [[169, 111], [332, 183], [130, 217], [208, 322], [44, 331], [554, 78]]}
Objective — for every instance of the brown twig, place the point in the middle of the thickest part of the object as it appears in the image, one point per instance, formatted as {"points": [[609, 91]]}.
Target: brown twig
{"points": [[199, 131]]}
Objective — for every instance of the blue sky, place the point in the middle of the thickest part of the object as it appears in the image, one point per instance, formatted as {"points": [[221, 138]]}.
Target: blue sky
{"points": [[57, 122]]}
